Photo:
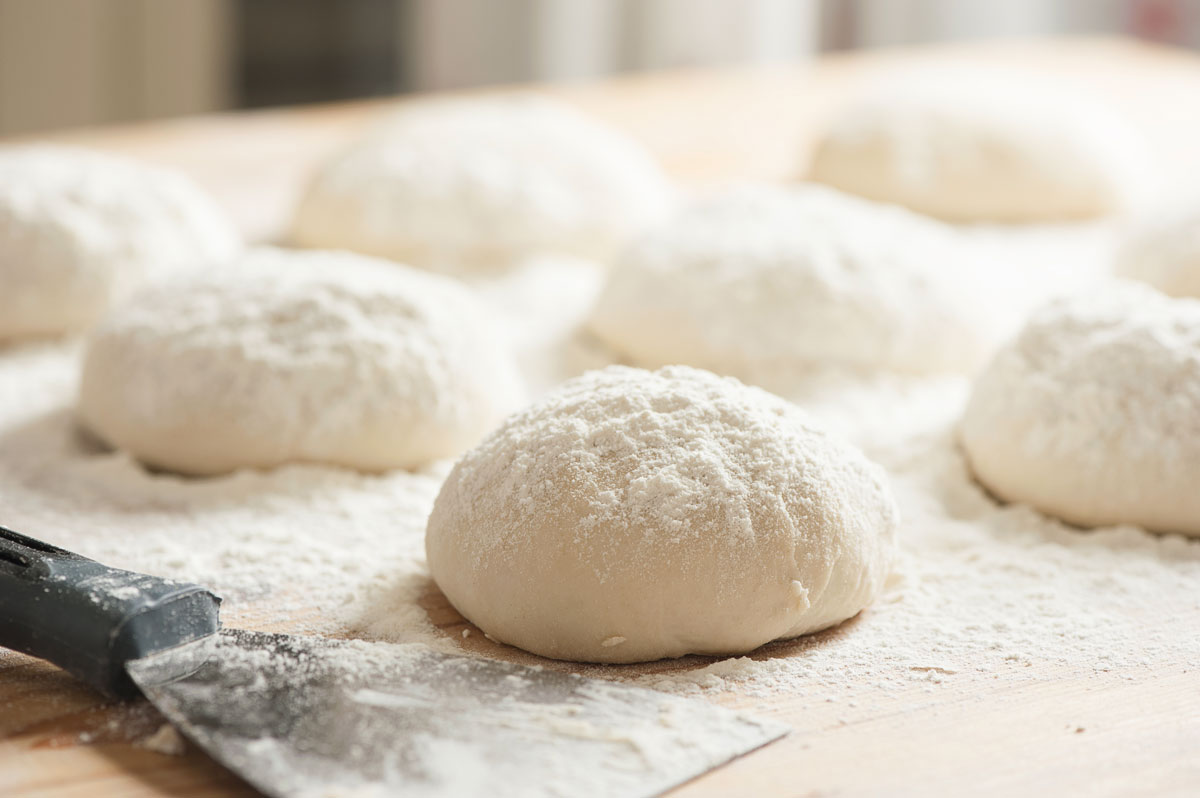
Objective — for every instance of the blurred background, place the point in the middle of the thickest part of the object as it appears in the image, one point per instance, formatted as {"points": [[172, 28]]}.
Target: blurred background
{"points": [[66, 63]]}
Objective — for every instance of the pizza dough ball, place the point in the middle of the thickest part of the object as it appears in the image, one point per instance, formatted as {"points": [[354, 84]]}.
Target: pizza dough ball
{"points": [[982, 146], [631, 516], [80, 230], [287, 357], [1093, 413], [479, 183], [1165, 252], [764, 281]]}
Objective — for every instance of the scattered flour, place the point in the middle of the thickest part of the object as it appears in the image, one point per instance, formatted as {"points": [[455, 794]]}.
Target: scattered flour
{"points": [[983, 595], [164, 741]]}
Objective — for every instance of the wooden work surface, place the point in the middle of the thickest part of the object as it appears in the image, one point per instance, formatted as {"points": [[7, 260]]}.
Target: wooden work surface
{"points": [[1061, 733]]}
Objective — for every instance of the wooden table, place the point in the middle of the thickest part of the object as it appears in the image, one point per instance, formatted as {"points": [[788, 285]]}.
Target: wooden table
{"points": [[1122, 734]]}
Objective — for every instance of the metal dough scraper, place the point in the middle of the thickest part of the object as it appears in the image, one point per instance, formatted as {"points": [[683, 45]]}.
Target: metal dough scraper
{"points": [[303, 716]]}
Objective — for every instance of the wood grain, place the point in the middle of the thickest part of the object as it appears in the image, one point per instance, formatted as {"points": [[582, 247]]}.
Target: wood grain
{"points": [[1043, 731]]}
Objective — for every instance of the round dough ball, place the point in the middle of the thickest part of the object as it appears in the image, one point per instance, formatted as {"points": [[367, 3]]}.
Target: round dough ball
{"points": [[1165, 252], [283, 357], [764, 281], [982, 146], [634, 515], [80, 230], [1093, 413], [479, 183]]}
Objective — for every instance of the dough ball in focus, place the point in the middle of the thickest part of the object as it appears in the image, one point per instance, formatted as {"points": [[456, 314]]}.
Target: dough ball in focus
{"points": [[633, 515]]}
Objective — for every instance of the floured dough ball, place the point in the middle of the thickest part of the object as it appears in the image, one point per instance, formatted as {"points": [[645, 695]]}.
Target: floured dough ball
{"points": [[633, 515], [80, 230], [479, 183], [296, 357], [1093, 413], [1165, 252], [982, 146], [763, 281]]}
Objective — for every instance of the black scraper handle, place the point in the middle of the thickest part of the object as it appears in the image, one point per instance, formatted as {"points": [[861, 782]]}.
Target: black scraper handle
{"points": [[90, 619]]}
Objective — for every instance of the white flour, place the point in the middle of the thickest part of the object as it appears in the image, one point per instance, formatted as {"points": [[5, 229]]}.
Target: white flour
{"points": [[983, 592]]}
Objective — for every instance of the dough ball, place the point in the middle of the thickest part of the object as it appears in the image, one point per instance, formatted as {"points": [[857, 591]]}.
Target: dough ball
{"points": [[1165, 252], [982, 146], [1093, 413], [633, 515], [479, 183], [763, 281], [286, 357], [80, 230]]}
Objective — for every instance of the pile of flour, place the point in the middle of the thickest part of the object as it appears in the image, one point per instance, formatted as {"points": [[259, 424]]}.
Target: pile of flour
{"points": [[982, 592]]}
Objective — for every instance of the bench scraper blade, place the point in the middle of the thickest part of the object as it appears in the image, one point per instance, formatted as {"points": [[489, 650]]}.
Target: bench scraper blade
{"points": [[300, 716]]}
